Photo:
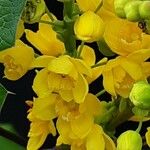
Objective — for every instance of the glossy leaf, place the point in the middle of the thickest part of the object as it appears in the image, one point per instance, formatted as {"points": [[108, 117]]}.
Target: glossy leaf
{"points": [[6, 144], [10, 12]]}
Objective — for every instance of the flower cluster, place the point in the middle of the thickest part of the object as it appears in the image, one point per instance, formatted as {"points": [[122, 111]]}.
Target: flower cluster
{"points": [[64, 71]]}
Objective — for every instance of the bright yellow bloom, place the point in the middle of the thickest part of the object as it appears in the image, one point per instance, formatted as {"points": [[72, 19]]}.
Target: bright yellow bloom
{"points": [[121, 73], [147, 135], [63, 75], [89, 27], [124, 37], [94, 140], [45, 39], [41, 115], [39, 130], [16, 60]]}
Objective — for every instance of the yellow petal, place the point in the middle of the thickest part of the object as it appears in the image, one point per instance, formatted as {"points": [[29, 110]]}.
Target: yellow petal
{"points": [[61, 65], [41, 89], [147, 135], [66, 95], [108, 82], [81, 89], [44, 108], [81, 125], [133, 69], [95, 139], [20, 29], [109, 144], [36, 142], [41, 61], [91, 105], [81, 67], [88, 55]]}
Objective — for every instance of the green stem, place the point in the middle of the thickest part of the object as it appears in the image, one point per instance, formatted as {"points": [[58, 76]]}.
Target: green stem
{"points": [[100, 93], [46, 22], [80, 49], [49, 14], [99, 6], [139, 127]]}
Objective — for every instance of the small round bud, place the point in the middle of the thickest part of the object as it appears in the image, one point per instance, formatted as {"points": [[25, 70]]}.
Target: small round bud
{"points": [[144, 10], [129, 140], [140, 95], [132, 10], [33, 11], [89, 27], [119, 7]]}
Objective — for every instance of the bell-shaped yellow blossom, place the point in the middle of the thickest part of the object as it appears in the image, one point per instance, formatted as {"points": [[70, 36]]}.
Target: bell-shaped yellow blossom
{"points": [[40, 114], [121, 73], [125, 37], [45, 39], [63, 75], [147, 135], [89, 27], [38, 133], [16, 60]]}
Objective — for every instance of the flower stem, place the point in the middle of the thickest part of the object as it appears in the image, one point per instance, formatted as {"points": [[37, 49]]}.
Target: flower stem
{"points": [[100, 93], [80, 49], [49, 13], [139, 127]]}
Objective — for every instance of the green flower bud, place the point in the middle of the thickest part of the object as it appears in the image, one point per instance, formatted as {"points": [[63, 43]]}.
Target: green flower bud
{"points": [[129, 140], [144, 10], [140, 95], [33, 11], [132, 10], [119, 7]]}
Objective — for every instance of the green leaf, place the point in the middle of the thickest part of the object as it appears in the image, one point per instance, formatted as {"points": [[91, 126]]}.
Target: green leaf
{"points": [[6, 144], [3, 94], [104, 49], [10, 12]]}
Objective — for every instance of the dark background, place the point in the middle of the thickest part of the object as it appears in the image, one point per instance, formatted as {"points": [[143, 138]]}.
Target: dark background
{"points": [[15, 109]]}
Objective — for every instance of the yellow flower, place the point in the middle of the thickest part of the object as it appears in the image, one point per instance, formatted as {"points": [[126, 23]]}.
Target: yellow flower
{"points": [[63, 75], [39, 130], [89, 27], [125, 37], [16, 60], [121, 73], [41, 115], [147, 135], [45, 39], [94, 140]]}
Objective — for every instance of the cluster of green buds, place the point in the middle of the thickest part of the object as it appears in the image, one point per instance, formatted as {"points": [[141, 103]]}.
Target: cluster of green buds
{"points": [[140, 95], [33, 11], [136, 11], [129, 140]]}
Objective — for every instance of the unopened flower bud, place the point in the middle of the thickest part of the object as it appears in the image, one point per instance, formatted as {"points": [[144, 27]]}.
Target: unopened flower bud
{"points": [[119, 7], [144, 10], [33, 11], [140, 95], [132, 10], [89, 27], [129, 140]]}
